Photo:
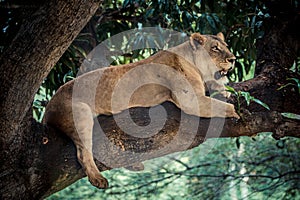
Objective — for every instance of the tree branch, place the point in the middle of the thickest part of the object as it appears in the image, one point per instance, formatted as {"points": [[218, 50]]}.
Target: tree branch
{"points": [[119, 149]]}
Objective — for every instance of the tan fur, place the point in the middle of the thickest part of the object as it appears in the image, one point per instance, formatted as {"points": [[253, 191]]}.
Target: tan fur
{"points": [[188, 59]]}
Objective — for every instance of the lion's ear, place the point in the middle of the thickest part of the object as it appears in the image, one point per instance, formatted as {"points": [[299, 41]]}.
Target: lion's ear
{"points": [[196, 39], [221, 36]]}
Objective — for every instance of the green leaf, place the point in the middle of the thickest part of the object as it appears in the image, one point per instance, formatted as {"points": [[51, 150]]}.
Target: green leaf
{"points": [[231, 90], [297, 82], [68, 76], [261, 103], [36, 104], [288, 84], [284, 86], [247, 97], [214, 94], [211, 22], [80, 50], [52, 78], [291, 116]]}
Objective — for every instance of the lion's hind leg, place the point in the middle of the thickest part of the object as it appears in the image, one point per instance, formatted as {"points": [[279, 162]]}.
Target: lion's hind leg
{"points": [[82, 138]]}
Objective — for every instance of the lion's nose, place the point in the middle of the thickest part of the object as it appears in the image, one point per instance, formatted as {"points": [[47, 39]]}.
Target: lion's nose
{"points": [[231, 60]]}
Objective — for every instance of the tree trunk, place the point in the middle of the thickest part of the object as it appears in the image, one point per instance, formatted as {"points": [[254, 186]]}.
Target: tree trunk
{"points": [[37, 161], [39, 44]]}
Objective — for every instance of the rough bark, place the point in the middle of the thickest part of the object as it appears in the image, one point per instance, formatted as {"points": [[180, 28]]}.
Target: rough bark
{"points": [[40, 42], [39, 161], [38, 45]]}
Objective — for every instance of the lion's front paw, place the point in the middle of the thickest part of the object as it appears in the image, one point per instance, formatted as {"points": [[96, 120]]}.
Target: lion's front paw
{"points": [[231, 112], [235, 115], [99, 181]]}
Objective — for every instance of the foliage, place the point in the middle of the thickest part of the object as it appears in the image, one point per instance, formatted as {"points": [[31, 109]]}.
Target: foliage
{"points": [[247, 97], [242, 171], [293, 82], [241, 28], [291, 116]]}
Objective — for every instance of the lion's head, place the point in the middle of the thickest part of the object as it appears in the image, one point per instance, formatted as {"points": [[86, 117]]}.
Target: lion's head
{"points": [[212, 48]]}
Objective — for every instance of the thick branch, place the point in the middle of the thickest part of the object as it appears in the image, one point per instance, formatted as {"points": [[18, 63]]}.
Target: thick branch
{"points": [[114, 148]]}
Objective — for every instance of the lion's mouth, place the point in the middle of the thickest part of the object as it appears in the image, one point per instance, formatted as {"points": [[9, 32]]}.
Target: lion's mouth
{"points": [[220, 74]]}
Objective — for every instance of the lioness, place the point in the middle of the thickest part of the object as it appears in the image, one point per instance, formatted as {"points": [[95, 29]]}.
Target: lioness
{"points": [[73, 113]]}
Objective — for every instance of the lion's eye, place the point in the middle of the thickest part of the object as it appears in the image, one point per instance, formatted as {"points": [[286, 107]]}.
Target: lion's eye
{"points": [[215, 48]]}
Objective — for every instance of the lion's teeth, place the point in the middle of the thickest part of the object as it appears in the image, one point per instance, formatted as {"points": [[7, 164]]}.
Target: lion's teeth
{"points": [[223, 73]]}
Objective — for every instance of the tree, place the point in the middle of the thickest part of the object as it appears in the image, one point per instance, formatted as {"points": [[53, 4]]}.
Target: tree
{"points": [[27, 145]]}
